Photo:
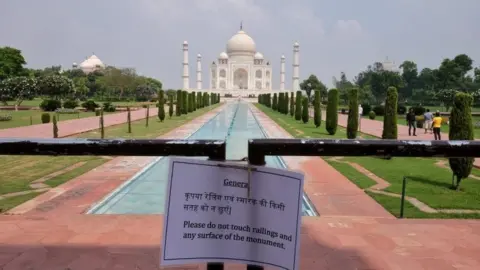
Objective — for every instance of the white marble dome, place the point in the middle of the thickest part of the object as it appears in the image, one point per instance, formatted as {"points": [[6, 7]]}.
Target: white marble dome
{"points": [[95, 61], [223, 55], [258, 56], [241, 43]]}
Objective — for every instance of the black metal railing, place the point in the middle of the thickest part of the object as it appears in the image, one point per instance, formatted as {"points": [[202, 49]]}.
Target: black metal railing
{"points": [[258, 149]]}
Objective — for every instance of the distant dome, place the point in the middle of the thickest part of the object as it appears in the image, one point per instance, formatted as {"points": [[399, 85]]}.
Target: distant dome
{"points": [[241, 43], [93, 60], [86, 65], [283, 56], [223, 55], [199, 56], [258, 56]]}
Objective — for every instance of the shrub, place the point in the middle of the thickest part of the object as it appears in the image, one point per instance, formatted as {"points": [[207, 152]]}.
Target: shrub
{"points": [[5, 117], [90, 105], [129, 120], [102, 125], [70, 104], [66, 111], [305, 110], [194, 101], [199, 100], [184, 102], [298, 106], [147, 116], [170, 106], [108, 107], [418, 110], [372, 115], [317, 111], [55, 127], [161, 105], [292, 104], [280, 103], [332, 112], [401, 109], [50, 105], [178, 105], [390, 118], [285, 103], [352, 124], [45, 118], [366, 109], [274, 104], [379, 110], [461, 128]]}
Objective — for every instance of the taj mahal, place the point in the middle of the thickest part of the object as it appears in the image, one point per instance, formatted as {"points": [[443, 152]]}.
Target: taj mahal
{"points": [[240, 70]]}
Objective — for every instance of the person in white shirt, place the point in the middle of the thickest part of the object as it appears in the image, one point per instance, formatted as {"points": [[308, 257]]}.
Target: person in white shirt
{"points": [[360, 113]]}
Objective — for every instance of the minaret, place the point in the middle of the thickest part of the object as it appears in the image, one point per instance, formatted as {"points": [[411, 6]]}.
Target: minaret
{"points": [[199, 71], [296, 67], [282, 73], [186, 79]]}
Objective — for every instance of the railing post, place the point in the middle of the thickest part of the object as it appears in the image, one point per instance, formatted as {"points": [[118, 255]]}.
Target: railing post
{"points": [[402, 202]]}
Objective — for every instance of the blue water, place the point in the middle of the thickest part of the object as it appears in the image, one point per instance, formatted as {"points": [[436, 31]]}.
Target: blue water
{"points": [[145, 193]]}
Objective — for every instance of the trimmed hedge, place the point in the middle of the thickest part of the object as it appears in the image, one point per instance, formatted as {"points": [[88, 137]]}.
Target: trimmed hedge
{"points": [[305, 110], [390, 119], [352, 124], [178, 106], [298, 106], [292, 104], [332, 112], [275, 102], [161, 105], [317, 111]]}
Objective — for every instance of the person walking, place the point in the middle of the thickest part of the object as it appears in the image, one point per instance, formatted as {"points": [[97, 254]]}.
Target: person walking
{"points": [[411, 121], [360, 113], [437, 124], [427, 124]]}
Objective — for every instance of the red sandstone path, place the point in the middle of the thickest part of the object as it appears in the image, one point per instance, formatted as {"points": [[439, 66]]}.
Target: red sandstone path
{"points": [[52, 233], [74, 126]]}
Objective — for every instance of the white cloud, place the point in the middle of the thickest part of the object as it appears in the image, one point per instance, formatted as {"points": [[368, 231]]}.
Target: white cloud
{"points": [[348, 28]]}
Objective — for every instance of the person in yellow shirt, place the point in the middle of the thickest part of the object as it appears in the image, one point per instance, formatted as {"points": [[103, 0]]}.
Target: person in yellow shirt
{"points": [[437, 124]]}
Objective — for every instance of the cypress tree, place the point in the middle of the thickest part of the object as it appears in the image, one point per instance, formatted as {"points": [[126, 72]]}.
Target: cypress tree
{"points": [[286, 103], [317, 112], [184, 102], [292, 104], [461, 128], [170, 105], [194, 102], [161, 105], [190, 104], [259, 98], [274, 105], [269, 100], [332, 112], [352, 124], [281, 105], [298, 106], [102, 125], [390, 116], [129, 120], [55, 126], [147, 115], [199, 100], [305, 110], [178, 107]]}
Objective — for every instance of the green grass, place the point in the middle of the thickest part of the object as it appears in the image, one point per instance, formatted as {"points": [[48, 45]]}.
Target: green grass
{"points": [[9, 203], [154, 129], [300, 130], [22, 118]]}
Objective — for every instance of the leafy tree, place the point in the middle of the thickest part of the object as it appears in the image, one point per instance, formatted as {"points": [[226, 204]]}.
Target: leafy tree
{"points": [[274, 104], [11, 63], [317, 111], [56, 87], [298, 106], [144, 92], [313, 83], [170, 105], [410, 77], [352, 123], [18, 89], [332, 112], [292, 104], [461, 128], [178, 107], [446, 96], [305, 115], [161, 105], [390, 118]]}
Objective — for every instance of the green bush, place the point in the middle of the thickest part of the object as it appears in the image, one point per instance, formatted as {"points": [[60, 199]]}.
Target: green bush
{"points": [[298, 106], [45, 118], [5, 117], [379, 110], [401, 109], [161, 105], [66, 111], [178, 105], [108, 107], [461, 128], [50, 105], [70, 104], [317, 110], [292, 104], [90, 105], [274, 104], [305, 110], [390, 118], [372, 115], [352, 124], [332, 112], [366, 109], [55, 127]]}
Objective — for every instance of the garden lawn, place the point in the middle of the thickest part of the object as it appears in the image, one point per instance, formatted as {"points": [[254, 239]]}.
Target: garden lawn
{"points": [[427, 182], [300, 130], [22, 118], [155, 127]]}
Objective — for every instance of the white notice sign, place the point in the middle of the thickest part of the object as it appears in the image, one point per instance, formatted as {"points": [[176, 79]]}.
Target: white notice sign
{"points": [[210, 218]]}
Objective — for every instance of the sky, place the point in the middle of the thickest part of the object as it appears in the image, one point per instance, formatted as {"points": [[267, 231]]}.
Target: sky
{"points": [[334, 35]]}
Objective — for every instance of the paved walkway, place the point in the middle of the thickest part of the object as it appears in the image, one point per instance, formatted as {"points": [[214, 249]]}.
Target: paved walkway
{"points": [[74, 126], [54, 234]]}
